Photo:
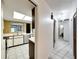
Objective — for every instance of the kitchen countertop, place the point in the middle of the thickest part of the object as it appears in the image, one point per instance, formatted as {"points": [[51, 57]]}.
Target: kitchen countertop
{"points": [[32, 39], [20, 34]]}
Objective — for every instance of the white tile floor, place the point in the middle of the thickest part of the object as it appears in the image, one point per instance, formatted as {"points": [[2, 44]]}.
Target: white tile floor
{"points": [[20, 52], [62, 50]]}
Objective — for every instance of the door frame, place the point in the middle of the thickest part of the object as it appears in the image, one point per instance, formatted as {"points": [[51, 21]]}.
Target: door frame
{"points": [[36, 24], [75, 35]]}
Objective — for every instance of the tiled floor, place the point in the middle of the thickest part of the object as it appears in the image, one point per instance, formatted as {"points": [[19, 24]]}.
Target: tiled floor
{"points": [[62, 50], [20, 52]]}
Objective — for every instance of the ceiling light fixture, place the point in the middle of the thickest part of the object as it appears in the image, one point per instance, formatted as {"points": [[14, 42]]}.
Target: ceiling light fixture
{"points": [[21, 16], [18, 15]]}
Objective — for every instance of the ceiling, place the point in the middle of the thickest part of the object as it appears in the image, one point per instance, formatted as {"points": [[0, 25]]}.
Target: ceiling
{"points": [[60, 7], [21, 6]]}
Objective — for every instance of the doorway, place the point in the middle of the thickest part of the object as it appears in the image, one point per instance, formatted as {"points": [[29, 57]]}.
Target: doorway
{"points": [[22, 39]]}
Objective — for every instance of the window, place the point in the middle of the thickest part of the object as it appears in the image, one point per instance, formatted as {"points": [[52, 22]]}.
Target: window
{"points": [[16, 28]]}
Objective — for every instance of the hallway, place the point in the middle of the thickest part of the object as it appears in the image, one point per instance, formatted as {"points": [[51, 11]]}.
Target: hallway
{"points": [[62, 50], [38, 29]]}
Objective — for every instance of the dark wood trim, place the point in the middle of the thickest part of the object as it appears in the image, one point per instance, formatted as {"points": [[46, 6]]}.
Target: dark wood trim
{"points": [[54, 41], [33, 18], [33, 3], [75, 35], [6, 38], [17, 45], [31, 49]]}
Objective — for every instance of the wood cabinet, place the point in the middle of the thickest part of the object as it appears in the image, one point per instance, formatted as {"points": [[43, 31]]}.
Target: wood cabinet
{"points": [[31, 49]]}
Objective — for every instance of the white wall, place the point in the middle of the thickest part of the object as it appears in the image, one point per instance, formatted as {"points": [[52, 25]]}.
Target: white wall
{"points": [[56, 30], [66, 30], [2, 41], [50, 42], [71, 32], [44, 30]]}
